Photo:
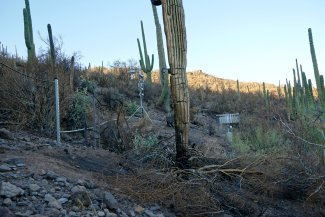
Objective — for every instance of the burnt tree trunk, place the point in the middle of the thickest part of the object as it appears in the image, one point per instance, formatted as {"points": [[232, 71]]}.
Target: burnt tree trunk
{"points": [[175, 31]]}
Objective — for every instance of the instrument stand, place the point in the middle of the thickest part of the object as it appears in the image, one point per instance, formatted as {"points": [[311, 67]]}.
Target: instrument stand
{"points": [[141, 94]]}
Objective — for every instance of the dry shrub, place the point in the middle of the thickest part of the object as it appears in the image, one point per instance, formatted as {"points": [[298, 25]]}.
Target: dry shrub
{"points": [[185, 198], [27, 92]]}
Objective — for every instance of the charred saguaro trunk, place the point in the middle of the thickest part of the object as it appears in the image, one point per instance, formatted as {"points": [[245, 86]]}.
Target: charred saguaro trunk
{"points": [[175, 31]]}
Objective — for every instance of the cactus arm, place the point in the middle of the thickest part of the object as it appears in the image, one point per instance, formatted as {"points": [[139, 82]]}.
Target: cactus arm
{"points": [[141, 55], [314, 60], [26, 30], [52, 50]]}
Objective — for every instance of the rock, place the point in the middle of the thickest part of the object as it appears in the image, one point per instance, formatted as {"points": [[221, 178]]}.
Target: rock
{"points": [[22, 203], [110, 214], [15, 160], [150, 213], [9, 190], [2, 141], [55, 204], [42, 172], [49, 198], [6, 134], [138, 210], [132, 213], [110, 200], [5, 212], [20, 165], [5, 168], [90, 184], [24, 214], [34, 187], [25, 139], [78, 188], [7, 201], [155, 207], [52, 212], [80, 199], [72, 214], [61, 179], [63, 200], [101, 214], [51, 175]]}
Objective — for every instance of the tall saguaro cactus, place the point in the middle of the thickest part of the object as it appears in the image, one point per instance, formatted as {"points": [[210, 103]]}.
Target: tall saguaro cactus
{"points": [[28, 32], [164, 77], [52, 49], [145, 63], [316, 72], [175, 31]]}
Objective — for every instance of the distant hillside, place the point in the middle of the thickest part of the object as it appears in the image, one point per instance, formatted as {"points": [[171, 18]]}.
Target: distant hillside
{"points": [[198, 79]]}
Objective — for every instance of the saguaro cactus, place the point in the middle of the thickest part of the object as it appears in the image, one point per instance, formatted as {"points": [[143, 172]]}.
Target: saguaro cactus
{"points": [[28, 32], [52, 49], [164, 77], [316, 72], [175, 31], [145, 63]]}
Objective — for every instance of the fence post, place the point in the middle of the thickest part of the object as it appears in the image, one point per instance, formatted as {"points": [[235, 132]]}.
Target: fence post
{"points": [[57, 111]]}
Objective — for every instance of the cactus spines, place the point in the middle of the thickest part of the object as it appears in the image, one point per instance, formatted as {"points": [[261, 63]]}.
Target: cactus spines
{"points": [[28, 32], [145, 63]]}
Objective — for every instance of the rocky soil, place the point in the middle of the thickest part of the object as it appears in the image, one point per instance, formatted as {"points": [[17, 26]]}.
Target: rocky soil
{"points": [[39, 179]]}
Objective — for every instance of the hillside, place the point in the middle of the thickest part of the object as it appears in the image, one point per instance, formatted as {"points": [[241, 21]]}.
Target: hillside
{"points": [[200, 80]]}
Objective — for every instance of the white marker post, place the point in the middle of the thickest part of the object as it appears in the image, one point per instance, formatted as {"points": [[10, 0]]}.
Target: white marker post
{"points": [[57, 111]]}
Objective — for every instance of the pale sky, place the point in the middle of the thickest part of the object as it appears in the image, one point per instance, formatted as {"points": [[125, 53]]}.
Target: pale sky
{"points": [[252, 40]]}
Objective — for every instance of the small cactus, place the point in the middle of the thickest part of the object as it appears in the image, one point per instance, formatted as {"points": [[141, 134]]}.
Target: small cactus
{"points": [[145, 63], [28, 32]]}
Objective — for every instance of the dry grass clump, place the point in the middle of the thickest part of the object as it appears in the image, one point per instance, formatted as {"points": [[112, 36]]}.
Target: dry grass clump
{"points": [[247, 185], [184, 197]]}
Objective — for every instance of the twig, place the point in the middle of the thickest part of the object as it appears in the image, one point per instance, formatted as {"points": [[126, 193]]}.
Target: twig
{"points": [[316, 191], [290, 131]]}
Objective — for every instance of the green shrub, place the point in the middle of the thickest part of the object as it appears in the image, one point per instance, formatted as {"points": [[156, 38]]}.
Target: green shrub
{"points": [[143, 144], [80, 104], [130, 107], [260, 140], [88, 85], [239, 144]]}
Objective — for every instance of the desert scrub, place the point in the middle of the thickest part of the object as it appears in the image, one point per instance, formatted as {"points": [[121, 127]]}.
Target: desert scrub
{"points": [[79, 106], [130, 107], [260, 141], [144, 144], [88, 85]]}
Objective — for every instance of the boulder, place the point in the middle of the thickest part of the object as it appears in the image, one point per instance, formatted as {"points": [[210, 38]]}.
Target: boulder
{"points": [[9, 190]]}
